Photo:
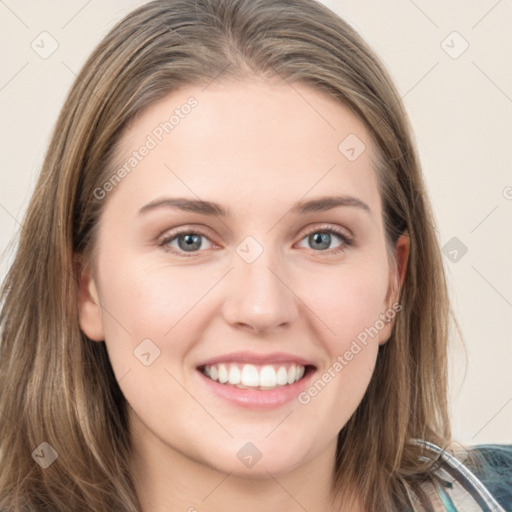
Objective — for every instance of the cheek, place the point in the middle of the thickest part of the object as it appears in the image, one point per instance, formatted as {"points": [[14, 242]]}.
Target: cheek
{"points": [[348, 300], [144, 301], [155, 310], [348, 304], [151, 301]]}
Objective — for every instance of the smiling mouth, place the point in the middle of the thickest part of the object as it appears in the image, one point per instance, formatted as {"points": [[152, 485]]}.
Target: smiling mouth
{"points": [[256, 377]]}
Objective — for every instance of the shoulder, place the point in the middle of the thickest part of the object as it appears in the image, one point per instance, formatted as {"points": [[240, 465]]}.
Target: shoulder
{"points": [[492, 465]]}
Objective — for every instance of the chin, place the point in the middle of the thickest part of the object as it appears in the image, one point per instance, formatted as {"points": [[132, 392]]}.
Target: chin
{"points": [[246, 459]]}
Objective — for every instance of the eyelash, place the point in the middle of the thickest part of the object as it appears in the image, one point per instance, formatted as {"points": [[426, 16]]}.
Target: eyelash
{"points": [[346, 240]]}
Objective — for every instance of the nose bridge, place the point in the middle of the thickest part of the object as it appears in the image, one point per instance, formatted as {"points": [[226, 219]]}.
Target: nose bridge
{"points": [[257, 297]]}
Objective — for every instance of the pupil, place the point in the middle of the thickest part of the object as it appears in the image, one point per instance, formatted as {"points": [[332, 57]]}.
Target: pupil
{"points": [[323, 239], [191, 242]]}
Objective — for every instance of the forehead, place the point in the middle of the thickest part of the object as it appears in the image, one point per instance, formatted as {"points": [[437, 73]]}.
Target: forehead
{"points": [[248, 141]]}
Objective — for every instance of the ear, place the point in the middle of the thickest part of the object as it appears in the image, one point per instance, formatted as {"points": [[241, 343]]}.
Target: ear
{"points": [[396, 280], [89, 309]]}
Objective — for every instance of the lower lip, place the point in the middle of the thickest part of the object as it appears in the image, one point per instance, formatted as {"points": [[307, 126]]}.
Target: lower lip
{"points": [[255, 398]]}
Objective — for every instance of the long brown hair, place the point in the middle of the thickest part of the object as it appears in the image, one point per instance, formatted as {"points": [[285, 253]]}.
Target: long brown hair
{"points": [[57, 387]]}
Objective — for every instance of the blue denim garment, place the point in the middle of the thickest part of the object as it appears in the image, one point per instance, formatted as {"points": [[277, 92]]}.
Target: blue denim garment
{"points": [[496, 473], [481, 481]]}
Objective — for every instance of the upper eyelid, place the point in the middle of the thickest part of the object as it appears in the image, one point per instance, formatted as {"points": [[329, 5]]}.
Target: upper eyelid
{"points": [[172, 233], [330, 227]]}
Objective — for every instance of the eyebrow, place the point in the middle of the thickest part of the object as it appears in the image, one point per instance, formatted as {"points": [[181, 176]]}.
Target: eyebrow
{"points": [[328, 203], [214, 209]]}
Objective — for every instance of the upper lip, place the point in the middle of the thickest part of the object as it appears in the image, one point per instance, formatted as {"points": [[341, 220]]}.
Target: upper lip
{"points": [[257, 359]]}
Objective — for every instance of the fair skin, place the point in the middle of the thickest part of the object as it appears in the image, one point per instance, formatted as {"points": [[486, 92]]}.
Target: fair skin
{"points": [[255, 149]]}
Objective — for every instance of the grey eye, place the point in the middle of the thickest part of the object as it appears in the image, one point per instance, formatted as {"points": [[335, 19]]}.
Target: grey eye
{"points": [[188, 242], [322, 240]]}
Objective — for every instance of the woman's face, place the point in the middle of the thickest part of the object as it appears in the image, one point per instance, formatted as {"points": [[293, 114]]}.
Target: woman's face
{"points": [[246, 244]]}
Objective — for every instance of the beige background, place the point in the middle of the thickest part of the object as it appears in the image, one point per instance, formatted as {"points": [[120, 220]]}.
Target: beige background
{"points": [[460, 107]]}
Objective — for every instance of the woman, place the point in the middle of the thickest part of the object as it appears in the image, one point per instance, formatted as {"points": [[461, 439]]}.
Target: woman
{"points": [[228, 290]]}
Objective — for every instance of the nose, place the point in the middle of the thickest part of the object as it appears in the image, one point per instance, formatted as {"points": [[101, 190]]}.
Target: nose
{"points": [[258, 297]]}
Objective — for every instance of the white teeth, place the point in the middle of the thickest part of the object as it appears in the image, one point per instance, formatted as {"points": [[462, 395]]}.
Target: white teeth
{"points": [[291, 375], [252, 376], [268, 377], [282, 376], [223, 374], [234, 375]]}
